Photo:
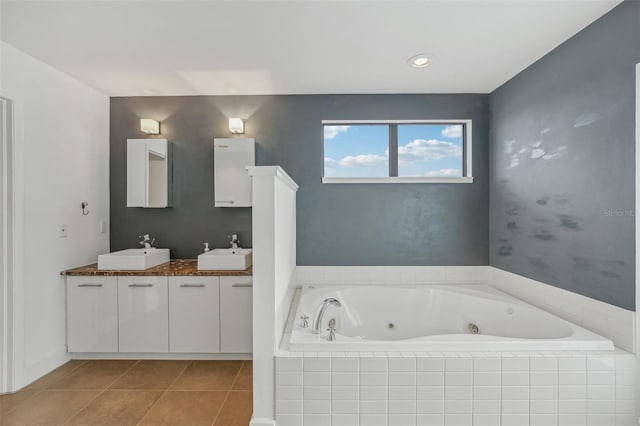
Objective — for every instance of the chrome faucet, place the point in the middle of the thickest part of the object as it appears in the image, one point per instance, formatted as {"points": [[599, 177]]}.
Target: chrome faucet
{"points": [[317, 322], [146, 241], [235, 242]]}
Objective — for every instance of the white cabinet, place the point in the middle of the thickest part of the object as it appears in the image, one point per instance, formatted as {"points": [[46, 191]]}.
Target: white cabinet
{"points": [[236, 308], [92, 314], [143, 317], [232, 186], [148, 173], [159, 314], [194, 314]]}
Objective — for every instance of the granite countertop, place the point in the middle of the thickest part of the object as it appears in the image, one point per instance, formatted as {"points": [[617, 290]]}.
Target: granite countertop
{"points": [[177, 267]]}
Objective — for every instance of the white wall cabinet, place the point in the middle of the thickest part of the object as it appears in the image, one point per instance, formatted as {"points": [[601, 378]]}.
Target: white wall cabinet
{"points": [[194, 314], [236, 309], [159, 314], [92, 314], [143, 314], [232, 156]]}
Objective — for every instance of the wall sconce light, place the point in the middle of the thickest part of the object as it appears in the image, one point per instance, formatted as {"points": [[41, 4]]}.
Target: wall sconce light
{"points": [[236, 125], [149, 126]]}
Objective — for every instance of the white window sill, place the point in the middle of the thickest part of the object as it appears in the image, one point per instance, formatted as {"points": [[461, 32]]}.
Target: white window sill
{"points": [[465, 179]]}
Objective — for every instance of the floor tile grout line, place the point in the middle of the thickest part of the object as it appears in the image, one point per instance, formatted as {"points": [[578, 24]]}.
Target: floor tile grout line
{"points": [[122, 375], [165, 391], [226, 397], [180, 374], [100, 394]]}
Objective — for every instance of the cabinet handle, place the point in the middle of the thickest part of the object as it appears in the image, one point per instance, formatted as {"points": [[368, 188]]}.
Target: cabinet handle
{"points": [[224, 201], [89, 285], [241, 285], [140, 285], [191, 285]]}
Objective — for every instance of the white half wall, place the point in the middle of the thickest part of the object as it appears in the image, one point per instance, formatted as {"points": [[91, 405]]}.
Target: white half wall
{"points": [[274, 262], [61, 159]]}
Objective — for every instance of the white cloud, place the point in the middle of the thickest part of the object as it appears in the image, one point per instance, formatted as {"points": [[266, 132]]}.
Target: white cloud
{"points": [[444, 173], [420, 150], [454, 131], [364, 160], [331, 132], [328, 161]]}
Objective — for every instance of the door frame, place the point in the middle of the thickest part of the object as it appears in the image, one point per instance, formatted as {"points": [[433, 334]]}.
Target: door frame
{"points": [[637, 233], [6, 311], [11, 226]]}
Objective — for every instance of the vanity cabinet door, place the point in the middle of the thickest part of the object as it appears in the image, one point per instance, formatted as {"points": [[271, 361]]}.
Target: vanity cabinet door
{"points": [[92, 314], [194, 314], [236, 314], [143, 319]]}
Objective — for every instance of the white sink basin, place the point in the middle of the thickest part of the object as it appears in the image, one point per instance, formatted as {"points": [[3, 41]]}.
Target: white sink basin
{"points": [[133, 259], [225, 259]]}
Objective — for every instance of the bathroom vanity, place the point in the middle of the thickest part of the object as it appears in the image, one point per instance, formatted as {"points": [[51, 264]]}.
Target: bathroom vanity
{"points": [[170, 309]]}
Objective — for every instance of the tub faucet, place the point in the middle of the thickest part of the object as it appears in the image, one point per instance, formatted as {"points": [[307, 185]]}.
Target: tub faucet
{"points": [[317, 323], [146, 241]]}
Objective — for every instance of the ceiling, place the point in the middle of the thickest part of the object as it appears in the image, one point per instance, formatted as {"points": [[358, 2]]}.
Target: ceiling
{"points": [[292, 47]]}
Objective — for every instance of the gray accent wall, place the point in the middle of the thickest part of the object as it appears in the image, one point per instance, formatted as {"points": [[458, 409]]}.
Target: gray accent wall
{"points": [[337, 224], [562, 163]]}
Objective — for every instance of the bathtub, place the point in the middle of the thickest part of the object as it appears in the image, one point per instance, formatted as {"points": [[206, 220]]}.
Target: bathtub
{"points": [[424, 318]]}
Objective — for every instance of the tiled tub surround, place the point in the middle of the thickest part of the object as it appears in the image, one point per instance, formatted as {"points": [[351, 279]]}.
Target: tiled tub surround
{"points": [[455, 389], [539, 388]]}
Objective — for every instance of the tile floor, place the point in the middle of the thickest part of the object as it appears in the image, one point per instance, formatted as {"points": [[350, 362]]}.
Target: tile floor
{"points": [[123, 392]]}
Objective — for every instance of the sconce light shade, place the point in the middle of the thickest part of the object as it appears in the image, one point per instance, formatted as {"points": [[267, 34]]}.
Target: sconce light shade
{"points": [[236, 125], [149, 126]]}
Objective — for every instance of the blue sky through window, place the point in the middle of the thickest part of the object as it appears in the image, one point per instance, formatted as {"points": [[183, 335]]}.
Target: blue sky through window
{"points": [[424, 150], [430, 150], [356, 151]]}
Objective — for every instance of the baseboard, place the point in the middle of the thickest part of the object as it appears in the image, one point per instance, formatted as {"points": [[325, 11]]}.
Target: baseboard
{"points": [[160, 356], [44, 365]]}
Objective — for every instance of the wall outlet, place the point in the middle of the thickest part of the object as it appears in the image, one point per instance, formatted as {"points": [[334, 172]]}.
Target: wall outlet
{"points": [[63, 231]]}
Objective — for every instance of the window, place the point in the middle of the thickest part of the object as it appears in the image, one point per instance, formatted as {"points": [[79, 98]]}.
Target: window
{"points": [[397, 151]]}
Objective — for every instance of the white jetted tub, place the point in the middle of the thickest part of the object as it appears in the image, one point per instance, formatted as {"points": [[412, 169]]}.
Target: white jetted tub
{"points": [[433, 318]]}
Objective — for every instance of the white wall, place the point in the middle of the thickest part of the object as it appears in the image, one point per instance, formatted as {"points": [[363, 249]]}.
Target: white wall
{"points": [[274, 261], [61, 159], [285, 252]]}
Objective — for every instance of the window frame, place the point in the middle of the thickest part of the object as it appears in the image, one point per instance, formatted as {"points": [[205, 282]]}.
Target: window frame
{"points": [[467, 158]]}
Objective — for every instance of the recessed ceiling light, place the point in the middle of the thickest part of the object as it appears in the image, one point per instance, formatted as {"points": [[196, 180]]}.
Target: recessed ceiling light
{"points": [[419, 61]]}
